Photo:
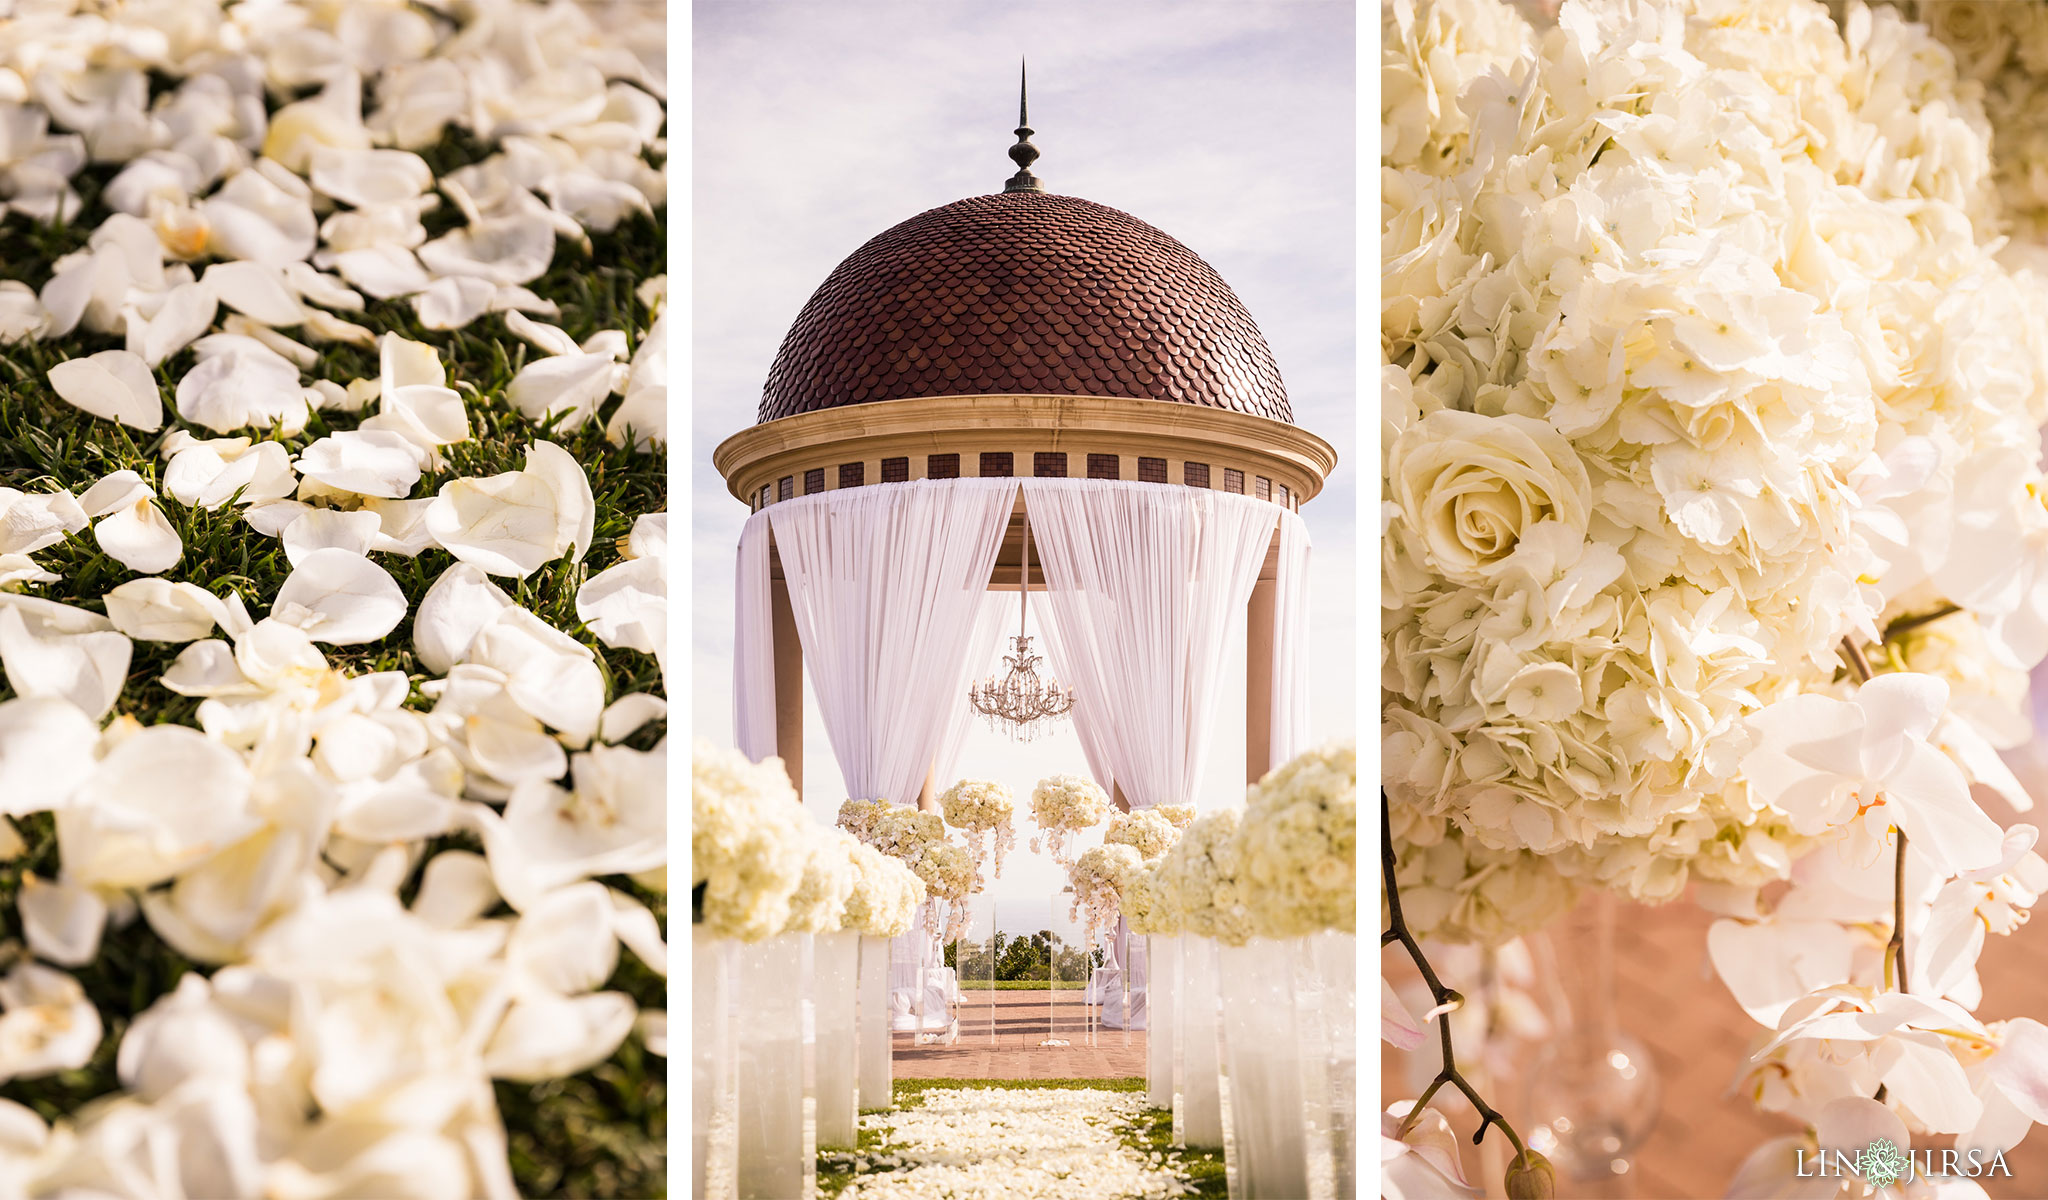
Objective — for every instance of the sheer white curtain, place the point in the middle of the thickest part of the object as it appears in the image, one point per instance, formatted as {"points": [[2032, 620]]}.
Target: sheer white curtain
{"points": [[1143, 583], [753, 648], [1290, 641], [993, 626], [886, 583]]}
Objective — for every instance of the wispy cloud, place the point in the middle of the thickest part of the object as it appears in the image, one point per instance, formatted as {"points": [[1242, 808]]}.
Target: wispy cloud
{"points": [[1228, 125]]}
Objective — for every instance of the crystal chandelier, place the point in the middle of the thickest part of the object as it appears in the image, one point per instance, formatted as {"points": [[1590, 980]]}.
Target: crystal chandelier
{"points": [[1018, 702]]}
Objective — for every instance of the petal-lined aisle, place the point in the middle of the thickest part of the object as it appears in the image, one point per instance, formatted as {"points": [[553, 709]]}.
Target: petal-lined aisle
{"points": [[1029, 1143]]}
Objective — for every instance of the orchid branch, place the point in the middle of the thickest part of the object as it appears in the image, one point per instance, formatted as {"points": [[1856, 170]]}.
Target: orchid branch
{"points": [[1446, 1000], [1895, 949]]}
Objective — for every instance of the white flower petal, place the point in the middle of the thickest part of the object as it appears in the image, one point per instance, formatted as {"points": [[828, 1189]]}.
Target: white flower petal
{"points": [[341, 598], [327, 528], [114, 492], [575, 506], [461, 602], [504, 524], [362, 178], [623, 605], [383, 271], [243, 388], [256, 290], [644, 414], [160, 801], [85, 669], [626, 715], [157, 610], [46, 751], [575, 386], [181, 319], [548, 1037], [453, 302], [140, 538], [548, 339], [367, 463], [510, 249], [61, 921], [115, 384], [48, 1024]]}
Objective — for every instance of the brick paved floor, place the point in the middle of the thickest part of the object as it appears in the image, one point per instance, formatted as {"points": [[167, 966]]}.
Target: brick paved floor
{"points": [[1670, 998], [1004, 1045]]}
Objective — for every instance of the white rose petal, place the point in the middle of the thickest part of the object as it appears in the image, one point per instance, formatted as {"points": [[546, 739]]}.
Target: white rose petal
{"points": [[159, 802], [181, 319], [46, 1022], [330, 529], [114, 384], [140, 538], [461, 602], [46, 751], [62, 920], [257, 290], [341, 598], [575, 386], [157, 610], [453, 302], [372, 463]]}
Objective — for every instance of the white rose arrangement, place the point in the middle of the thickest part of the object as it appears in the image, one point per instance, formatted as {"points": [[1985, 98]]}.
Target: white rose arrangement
{"points": [[1144, 831], [1204, 874], [1176, 815], [917, 839], [981, 809], [1300, 845], [1063, 805], [1146, 903], [885, 895], [1094, 876], [819, 903]]}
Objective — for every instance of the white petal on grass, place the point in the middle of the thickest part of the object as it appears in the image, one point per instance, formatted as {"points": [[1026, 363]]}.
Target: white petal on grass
{"points": [[341, 598], [626, 715], [114, 491], [36, 521], [624, 604], [575, 506], [46, 1022], [454, 302], [401, 525], [644, 416], [161, 801], [364, 178], [46, 751], [575, 385], [501, 524], [329, 529], [140, 538], [183, 317], [86, 670], [510, 249], [258, 291], [114, 384], [252, 217], [461, 602], [208, 474], [548, 1037], [61, 920], [157, 610], [549, 674], [402, 362], [384, 272], [548, 339], [372, 463], [427, 415], [243, 388]]}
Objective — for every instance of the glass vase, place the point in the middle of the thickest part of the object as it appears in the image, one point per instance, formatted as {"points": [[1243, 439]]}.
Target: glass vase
{"points": [[1200, 1121], [835, 979], [1162, 955], [1335, 958], [1276, 1053], [872, 1017], [712, 1073], [778, 1155], [1592, 1091]]}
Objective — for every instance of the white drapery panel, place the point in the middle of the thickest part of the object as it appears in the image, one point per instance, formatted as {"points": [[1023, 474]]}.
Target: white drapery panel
{"points": [[1143, 584], [886, 583], [753, 646], [993, 626], [1290, 641]]}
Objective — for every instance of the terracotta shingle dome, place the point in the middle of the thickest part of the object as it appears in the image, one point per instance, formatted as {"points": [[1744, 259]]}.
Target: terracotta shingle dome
{"points": [[1024, 293]]}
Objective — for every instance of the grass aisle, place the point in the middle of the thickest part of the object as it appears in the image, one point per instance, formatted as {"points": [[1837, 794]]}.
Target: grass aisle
{"points": [[1038, 1139]]}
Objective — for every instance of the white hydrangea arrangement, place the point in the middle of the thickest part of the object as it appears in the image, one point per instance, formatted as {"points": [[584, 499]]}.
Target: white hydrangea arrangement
{"points": [[1665, 421], [1094, 877], [1176, 815], [1146, 904], [1300, 845], [2001, 55], [1144, 831], [750, 843], [917, 839], [1063, 805], [983, 810], [1716, 545], [819, 902]]}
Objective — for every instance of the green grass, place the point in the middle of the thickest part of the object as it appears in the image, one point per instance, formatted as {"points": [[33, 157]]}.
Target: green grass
{"points": [[1153, 1132], [598, 1134]]}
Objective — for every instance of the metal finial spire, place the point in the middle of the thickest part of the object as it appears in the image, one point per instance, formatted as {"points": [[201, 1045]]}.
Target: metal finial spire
{"points": [[1023, 153]]}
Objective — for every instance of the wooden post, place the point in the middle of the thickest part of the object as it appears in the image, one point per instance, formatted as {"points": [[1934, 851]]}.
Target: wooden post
{"points": [[1117, 797], [789, 682], [1258, 679], [928, 796]]}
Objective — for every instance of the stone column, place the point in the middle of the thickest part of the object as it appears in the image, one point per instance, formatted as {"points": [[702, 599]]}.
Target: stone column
{"points": [[1258, 678], [789, 678]]}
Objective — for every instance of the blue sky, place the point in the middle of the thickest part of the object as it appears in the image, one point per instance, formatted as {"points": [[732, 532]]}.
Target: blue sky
{"points": [[1228, 125]]}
